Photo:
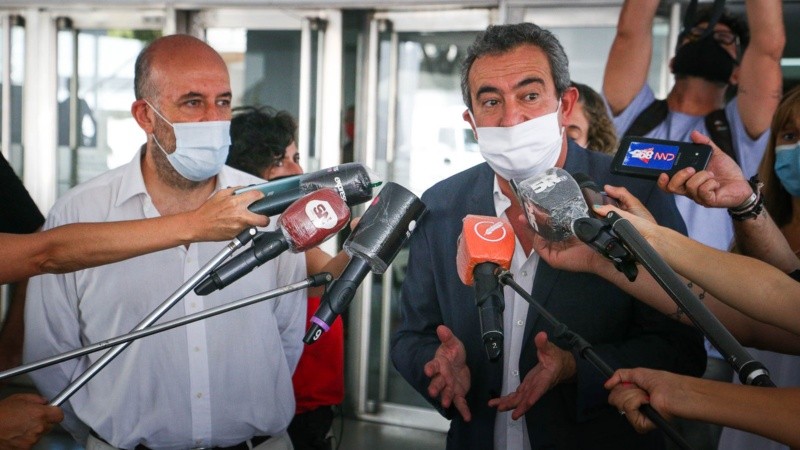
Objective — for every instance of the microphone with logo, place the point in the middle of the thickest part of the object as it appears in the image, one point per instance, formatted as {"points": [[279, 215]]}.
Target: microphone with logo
{"points": [[307, 223], [383, 229], [555, 207], [486, 244], [352, 181]]}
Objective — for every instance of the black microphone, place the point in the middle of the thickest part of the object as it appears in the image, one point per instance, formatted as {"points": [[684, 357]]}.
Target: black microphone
{"points": [[383, 229], [306, 223], [555, 207], [486, 244], [352, 181]]}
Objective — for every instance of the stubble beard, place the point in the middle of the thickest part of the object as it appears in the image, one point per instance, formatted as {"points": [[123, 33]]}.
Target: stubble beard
{"points": [[166, 173]]}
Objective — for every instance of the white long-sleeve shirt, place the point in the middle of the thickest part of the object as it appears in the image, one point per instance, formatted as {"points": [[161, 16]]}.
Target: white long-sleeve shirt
{"points": [[216, 382]]}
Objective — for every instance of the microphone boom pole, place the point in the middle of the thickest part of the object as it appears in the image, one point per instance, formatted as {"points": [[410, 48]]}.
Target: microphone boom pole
{"points": [[240, 240], [312, 281], [751, 372], [584, 348]]}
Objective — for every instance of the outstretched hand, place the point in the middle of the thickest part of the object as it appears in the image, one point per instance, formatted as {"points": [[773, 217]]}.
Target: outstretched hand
{"points": [[555, 366], [224, 215], [449, 373], [721, 185]]}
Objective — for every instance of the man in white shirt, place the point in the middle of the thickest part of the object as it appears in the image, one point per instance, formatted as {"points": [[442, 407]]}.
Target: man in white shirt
{"points": [[222, 382]]}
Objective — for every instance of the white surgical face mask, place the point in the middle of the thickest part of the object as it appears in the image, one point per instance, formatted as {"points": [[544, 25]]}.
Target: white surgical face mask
{"points": [[201, 148], [523, 150]]}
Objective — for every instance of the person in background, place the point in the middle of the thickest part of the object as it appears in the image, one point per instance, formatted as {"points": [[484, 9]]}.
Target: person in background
{"points": [[264, 143], [220, 382], [711, 60], [588, 124]]}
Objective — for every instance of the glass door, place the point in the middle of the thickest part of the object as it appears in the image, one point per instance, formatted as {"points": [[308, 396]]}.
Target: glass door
{"points": [[289, 60], [410, 106], [95, 53]]}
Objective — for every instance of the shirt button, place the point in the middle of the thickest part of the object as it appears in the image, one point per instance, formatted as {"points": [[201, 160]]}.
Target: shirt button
{"points": [[524, 273], [193, 305], [199, 395], [515, 372], [197, 349], [520, 323]]}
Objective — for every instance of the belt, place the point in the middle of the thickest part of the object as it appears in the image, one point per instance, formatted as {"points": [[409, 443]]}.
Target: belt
{"points": [[245, 445]]}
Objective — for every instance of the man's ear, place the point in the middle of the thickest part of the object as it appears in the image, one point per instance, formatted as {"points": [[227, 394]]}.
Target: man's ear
{"points": [[568, 100], [140, 112], [468, 118]]}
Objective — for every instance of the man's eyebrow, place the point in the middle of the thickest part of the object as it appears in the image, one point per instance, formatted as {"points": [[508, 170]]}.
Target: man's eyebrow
{"points": [[521, 83], [528, 81], [193, 95]]}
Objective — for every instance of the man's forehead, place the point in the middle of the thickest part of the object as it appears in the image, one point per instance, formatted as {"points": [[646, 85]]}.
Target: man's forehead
{"points": [[520, 66]]}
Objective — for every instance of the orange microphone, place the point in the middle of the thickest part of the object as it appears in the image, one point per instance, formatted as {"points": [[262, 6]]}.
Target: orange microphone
{"points": [[486, 244]]}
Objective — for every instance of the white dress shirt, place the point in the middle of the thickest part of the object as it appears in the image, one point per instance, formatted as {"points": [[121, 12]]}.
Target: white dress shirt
{"points": [[510, 433], [216, 382]]}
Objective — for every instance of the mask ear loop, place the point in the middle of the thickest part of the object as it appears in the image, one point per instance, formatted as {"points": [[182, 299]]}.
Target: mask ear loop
{"points": [[158, 144], [159, 114], [474, 123]]}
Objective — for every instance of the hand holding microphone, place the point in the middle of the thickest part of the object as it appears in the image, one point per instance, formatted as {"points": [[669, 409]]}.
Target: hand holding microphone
{"points": [[307, 223], [486, 244], [353, 182], [375, 241], [555, 207]]}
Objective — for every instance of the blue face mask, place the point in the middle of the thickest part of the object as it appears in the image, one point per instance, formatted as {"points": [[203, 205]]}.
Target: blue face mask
{"points": [[787, 167], [201, 148]]}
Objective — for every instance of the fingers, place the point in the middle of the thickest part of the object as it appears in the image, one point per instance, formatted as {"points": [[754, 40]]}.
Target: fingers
{"points": [[700, 138], [444, 334], [463, 408], [246, 199], [628, 398]]}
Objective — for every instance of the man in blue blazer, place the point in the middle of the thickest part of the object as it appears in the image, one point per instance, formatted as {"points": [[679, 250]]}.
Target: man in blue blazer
{"points": [[515, 82]]}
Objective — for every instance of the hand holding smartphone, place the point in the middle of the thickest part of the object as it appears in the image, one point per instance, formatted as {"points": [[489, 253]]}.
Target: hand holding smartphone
{"points": [[647, 158]]}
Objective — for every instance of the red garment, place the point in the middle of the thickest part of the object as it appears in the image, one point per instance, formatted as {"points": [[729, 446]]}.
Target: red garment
{"points": [[319, 377]]}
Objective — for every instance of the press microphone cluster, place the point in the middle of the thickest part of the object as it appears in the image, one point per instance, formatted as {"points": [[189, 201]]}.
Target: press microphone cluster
{"points": [[485, 245], [353, 182], [307, 223], [372, 245], [555, 206]]}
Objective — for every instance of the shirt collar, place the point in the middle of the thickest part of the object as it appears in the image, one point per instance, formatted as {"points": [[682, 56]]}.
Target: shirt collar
{"points": [[501, 201], [132, 184]]}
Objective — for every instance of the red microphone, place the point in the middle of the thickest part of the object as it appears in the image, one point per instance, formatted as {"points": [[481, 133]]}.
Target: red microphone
{"points": [[486, 244], [306, 223]]}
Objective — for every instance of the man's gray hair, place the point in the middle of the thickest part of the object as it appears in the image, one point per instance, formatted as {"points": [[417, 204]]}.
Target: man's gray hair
{"points": [[499, 39]]}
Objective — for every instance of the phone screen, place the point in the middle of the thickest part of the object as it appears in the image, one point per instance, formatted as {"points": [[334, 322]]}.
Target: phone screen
{"points": [[649, 155]]}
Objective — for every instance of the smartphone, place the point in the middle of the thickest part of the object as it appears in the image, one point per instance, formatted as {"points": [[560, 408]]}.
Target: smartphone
{"points": [[647, 158]]}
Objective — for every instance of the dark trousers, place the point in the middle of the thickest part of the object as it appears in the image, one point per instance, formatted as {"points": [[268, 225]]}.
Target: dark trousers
{"points": [[309, 430]]}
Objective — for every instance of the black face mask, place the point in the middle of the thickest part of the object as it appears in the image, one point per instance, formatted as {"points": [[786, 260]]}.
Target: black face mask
{"points": [[704, 58]]}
